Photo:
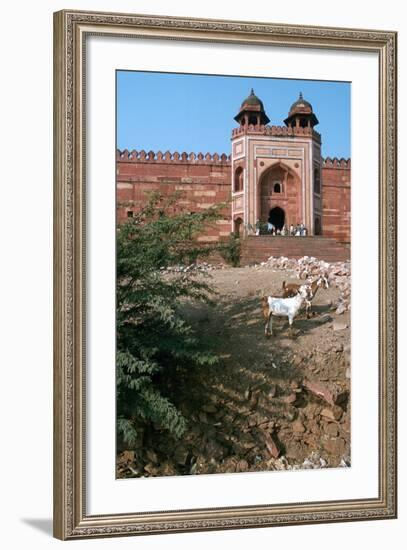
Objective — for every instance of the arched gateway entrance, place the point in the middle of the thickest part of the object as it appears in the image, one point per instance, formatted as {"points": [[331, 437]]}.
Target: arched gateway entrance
{"points": [[279, 196], [277, 217]]}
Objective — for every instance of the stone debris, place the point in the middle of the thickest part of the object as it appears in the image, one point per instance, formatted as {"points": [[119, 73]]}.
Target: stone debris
{"points": [[321, 391], [314, 461], [338, 325], [198, 266], [309, 268], [345, 462], [298, 427], [271, 445], [334, 413]]}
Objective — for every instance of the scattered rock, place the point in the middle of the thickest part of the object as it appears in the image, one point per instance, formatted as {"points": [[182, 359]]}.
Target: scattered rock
{"points": [[298, 427], [181, 455], [152, 456], [203, 418], [332, 429], [293, 450], [246, 441], [290, 399], [272, 391], [254, 400], [337, 412], [328, 413], [126, 457], [151, 469], [271, 445], [214, 450], [340, 310], [290, 415], [340, 325], [314, 461], [335, 446], [345, 462], [210, 408], [168, 469], [242, 466], [320, 391], [229, 465]]}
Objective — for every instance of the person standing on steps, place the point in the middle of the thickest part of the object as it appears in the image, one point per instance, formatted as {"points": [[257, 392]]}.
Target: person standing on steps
{"points": [[258, 227]]}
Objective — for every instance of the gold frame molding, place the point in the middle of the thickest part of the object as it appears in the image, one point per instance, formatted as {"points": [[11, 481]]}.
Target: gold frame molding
{"points": [[70, 31]]}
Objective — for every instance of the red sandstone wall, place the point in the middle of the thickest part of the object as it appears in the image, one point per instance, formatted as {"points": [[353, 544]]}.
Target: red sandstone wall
{"points": [[336, 199], [202, 181], [205, 180]]}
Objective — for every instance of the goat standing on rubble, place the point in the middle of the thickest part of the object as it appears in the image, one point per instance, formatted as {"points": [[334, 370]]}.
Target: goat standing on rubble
{"points": [[283, 307]]}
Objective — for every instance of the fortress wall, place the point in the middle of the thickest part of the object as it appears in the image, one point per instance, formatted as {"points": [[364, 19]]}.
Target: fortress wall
{"points": [[201, 181], [336, 201], [205, 179]]}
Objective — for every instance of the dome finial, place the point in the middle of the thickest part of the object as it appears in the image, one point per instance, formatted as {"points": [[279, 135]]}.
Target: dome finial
{"points": [[254, 108], [301, 95]]}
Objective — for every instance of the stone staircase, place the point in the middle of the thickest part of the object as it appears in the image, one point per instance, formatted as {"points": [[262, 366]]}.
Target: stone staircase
{"points": [[256, 249]]}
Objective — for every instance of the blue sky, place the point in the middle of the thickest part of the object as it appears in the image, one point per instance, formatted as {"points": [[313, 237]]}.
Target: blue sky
{"points": [[194, 113]]}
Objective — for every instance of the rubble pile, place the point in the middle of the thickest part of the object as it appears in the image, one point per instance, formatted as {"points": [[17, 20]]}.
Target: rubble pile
{"points": [[293, 425], [309, 268], [194, 267]]}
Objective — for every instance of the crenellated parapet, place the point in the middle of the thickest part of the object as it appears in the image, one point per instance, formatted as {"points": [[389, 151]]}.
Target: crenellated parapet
{"points": [[284, 131], [340, 164], [215, 158], [171, 158]]}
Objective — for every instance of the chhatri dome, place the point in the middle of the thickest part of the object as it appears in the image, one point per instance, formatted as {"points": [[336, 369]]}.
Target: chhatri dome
{"points": [[252, 111], [301, 114]]}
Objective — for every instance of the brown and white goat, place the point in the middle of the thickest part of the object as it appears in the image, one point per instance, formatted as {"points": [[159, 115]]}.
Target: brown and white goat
{"points": [[291, 289]]}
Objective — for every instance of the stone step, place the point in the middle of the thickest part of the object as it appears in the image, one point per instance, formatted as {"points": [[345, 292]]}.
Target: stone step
{"points": [[256, 249]]}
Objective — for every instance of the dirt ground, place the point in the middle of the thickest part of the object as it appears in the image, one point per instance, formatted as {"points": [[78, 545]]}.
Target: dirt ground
{"points": [[271, 403]]}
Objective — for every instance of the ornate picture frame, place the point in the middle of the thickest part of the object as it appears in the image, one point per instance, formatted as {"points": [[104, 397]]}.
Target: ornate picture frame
{"points": [[71, 30]]}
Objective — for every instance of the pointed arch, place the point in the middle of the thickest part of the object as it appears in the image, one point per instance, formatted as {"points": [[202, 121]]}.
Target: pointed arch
{"points": [[276, 189]]}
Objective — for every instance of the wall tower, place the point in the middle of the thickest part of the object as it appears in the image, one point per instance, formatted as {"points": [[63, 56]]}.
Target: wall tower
{"points": [[276, 170]]}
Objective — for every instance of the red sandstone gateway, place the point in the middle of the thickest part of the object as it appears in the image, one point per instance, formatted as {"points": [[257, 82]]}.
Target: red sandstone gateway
{"points": [[274, 174]]}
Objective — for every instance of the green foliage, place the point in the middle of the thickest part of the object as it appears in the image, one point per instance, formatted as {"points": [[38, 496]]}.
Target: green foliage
{"points": [[230, 250], [154, 342]]}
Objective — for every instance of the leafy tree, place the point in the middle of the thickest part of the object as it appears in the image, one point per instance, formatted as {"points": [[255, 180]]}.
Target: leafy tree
{"points": [[231, 250], [154, 341]]}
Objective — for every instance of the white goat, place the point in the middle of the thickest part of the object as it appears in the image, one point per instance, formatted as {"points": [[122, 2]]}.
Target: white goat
{"points": [[284, 307]]}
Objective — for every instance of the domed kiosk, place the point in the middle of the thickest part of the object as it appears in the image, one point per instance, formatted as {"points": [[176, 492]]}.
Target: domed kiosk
{"points": [[301, 114], [252, 111]]}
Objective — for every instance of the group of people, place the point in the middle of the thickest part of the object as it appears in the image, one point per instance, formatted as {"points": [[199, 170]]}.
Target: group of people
{"points": [[299, 230]]}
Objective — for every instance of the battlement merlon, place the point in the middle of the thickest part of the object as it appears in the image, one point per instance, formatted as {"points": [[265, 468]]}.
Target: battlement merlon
{"points": [[338, 163], [172, 158], [283, 131]]}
